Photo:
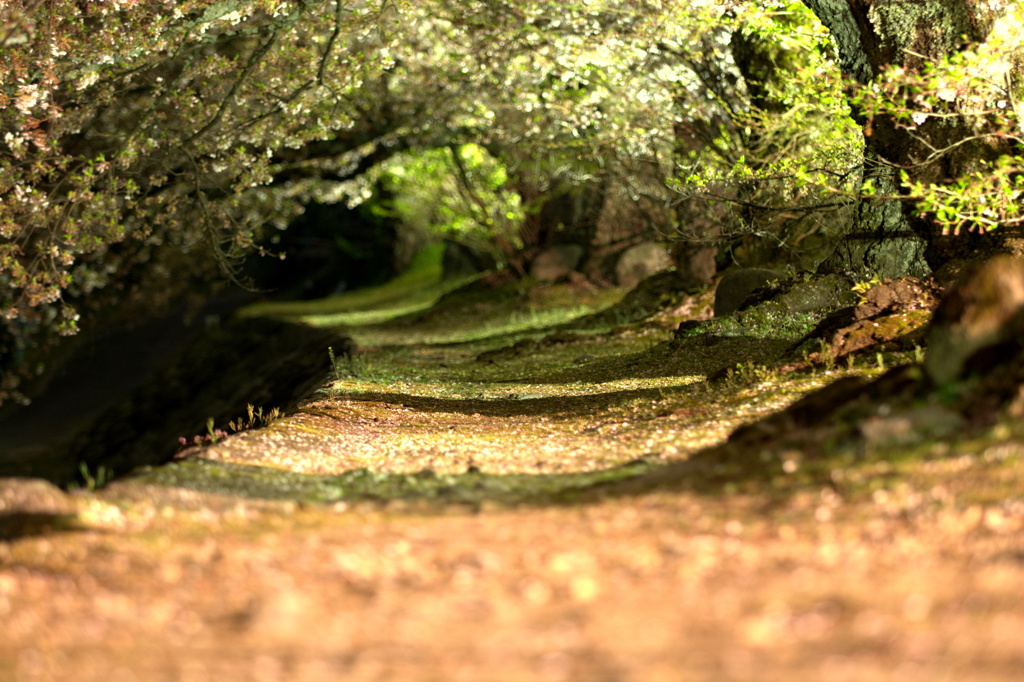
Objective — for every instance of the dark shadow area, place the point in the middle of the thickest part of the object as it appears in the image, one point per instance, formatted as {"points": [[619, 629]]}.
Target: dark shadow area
{"points": [[526, 332], [30, 508], [123, 395], [425, 487], [703, 356], [330, 248], [103, 368], [512, 406], [21, 525], [214, 377]]}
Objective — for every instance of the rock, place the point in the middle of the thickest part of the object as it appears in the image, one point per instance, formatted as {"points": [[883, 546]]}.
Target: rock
{"points": [[897, 329], [639, 262], [980, 317], [736, 285], [883, 411], [687, 328], [925, 422], [905, 293], [821, 292], [33, 496], [32, 506], [556, 262], [893, 312]]}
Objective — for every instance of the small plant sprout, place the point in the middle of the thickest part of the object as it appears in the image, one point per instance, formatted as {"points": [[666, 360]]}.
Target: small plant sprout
{"points": [[825, 353], [255, 418], [750, 373], [102, 477], [742, 372], [335, 365], [918, 354], [850, 360], [880, 360], [212, 435], [863, 287], [352, 367]]}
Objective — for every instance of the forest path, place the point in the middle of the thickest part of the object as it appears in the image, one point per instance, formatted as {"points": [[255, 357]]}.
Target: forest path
{"points": [[434, 512]]}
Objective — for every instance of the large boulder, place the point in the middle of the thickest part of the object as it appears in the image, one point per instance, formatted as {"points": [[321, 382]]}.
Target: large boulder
{"points": [[979, 323], [737, 285], [639, 262], [556, 262]]}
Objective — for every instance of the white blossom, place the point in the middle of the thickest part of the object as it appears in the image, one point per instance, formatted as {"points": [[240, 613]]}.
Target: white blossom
{"points": [[17, 143], [27, 98], [87, 80]]}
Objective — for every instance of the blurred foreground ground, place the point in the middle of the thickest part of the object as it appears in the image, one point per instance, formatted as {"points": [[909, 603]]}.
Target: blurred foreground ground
{"points": [[409, 521]]}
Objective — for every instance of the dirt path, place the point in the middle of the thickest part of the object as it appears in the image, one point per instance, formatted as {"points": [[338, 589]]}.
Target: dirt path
{"points": [[430, 514]]}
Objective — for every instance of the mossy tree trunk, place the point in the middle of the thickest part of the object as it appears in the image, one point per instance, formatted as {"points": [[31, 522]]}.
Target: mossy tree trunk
{"points": [[889, 238]]}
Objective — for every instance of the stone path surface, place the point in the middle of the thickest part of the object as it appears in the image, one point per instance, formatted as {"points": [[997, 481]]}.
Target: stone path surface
{"points": [[449, 509]]}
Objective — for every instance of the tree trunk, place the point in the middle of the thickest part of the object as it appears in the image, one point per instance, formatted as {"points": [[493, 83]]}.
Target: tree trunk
{"points": [[889, 238]]}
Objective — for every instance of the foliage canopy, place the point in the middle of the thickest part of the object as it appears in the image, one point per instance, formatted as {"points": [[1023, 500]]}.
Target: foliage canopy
{"points": [[145, 140]]}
